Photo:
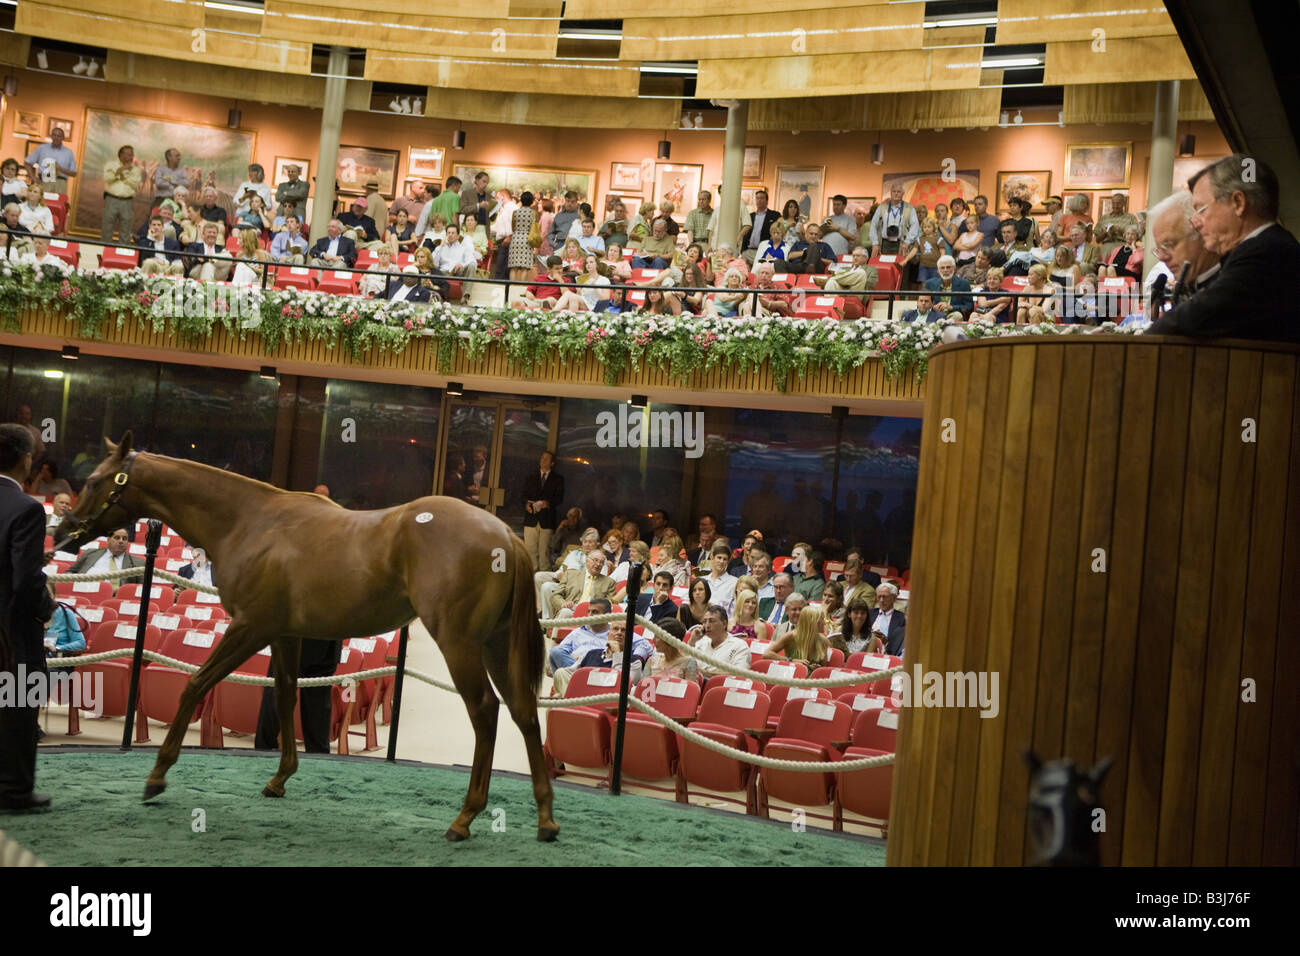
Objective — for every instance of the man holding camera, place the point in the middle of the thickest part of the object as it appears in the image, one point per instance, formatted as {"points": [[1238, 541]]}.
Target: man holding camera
{"points": [[839, 231], [895, 227]]}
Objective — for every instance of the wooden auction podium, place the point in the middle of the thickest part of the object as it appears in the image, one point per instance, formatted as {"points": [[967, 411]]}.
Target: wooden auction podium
{"points": [[1112, 524]]}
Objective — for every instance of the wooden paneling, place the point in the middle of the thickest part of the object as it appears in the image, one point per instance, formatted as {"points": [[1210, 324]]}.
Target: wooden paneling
{"points": [[553, 109], [1134, 446], [1139, 60], [560, 77], [1029, 21]]}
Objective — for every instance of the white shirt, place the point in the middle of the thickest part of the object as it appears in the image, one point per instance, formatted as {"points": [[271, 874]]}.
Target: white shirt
{"points": [[403, 291], [29, 258], [881, 623], [372, 283], [457, 255], [576, 560], [733, 651], [106, 562], [202, 575], [502, 225], [722, 591], [333, 248], [262, 189], [30, 218]]}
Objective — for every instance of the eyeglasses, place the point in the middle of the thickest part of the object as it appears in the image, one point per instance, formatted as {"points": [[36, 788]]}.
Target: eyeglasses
{"points": [[1165, 248], [1199, 209]]}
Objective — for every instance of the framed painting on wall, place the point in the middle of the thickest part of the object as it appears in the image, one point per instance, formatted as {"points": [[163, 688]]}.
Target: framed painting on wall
{"points": [[541, 182], [1185, 167], [625, 178], [1098, 165], [753, 162], [359, 165], [212, 152], [803, 184], [747, 191], [680, 183], [424, 164], [1034, 185], [930, 189], [281, 172], [63, 124], [29, 124]]}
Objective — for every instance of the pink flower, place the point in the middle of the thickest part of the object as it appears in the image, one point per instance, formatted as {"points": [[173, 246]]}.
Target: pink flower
{"points": [[409, 325], [887, 344], [347, 321]]}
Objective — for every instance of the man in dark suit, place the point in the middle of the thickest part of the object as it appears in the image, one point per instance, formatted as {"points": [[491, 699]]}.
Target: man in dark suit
{"points": [[886, 621], [659, 604], [1235, 203], [543, 491], [318, 659], [924, 311], [25, 605], [208, 259], [115, 557], [759, 228], [410, 288], [333, 250], [158, 248]]}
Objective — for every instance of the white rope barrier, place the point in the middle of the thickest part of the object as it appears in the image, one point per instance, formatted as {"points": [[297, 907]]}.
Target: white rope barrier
{"points": [[135, 573], [716, 664]]}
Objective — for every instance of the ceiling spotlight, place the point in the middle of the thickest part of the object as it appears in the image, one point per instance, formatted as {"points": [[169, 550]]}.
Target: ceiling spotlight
{"points": [[234, 118], [1187, 145], [93, 68], [639, 401], [11, 85], [665, 150], [877, 154], [81, 65], [686, 121], [42, 59], [455, 389], [267, 371], [406, 104], [71, 352], [458, 139], [1018, 118]]}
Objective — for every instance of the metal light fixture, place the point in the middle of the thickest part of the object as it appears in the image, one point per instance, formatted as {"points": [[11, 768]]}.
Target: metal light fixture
{"points": [[1187, 145], [268, 371], [639, 401], [92, 68], [877, 154], [80, 68], [458, 139], [1018, 119], [455, 389], [70, 352], [234, 118], [42, 59], [11, 85], [665, 149]]}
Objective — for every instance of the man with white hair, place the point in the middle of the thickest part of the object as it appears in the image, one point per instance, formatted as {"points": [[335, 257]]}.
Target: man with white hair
{"points": [[333, 250], [952, 306], [40, 254], [860, 278], [546, 582], [1177, 244], [895, 228], [885, 621], [794, 605], [1234, 209]]}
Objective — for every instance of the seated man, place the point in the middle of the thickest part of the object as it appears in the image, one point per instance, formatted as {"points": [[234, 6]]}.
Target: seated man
{"points": [[810, 255], [576, 560], [171, 228], [547, 287], [290, 246], [861, 277], [160, 255], [714, 640], [615, 228], [924, 311], [115, 557], [578, 586], [657, 250], [209, 245], [794, 605], [611, 655], [953, 306], [199, 570], [455, 256], [1018, 256], [589, 241], [410, 289], [359, 227], [40, 254], [333, 250], [581, 640], [658, 604], [62, 505], [212, 210], [14, 237]]}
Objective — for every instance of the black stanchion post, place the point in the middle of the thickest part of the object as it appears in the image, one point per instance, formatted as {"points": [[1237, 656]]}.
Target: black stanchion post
{"points": [[397, 692], [633, 589], [152, 537]]}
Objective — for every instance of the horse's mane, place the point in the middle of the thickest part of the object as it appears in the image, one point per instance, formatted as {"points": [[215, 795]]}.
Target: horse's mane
{"points": [[248, 484]]}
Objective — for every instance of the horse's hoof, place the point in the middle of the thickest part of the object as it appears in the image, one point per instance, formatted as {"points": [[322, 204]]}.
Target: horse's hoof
{"points": [[454, 836], [268, 792], [152, 790], [547, 834]]}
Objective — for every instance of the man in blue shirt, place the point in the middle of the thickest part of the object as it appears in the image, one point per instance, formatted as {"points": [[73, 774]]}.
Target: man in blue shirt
{"points": [[811, 257], [580, 641], [924, 311], [990, 226], [289, 246], [53, 164]]}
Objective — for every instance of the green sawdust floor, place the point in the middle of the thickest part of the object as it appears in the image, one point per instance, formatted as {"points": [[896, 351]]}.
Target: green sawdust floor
{"points": [[359, 812]]}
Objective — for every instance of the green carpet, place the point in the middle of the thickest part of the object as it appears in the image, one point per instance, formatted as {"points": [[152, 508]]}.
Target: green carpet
{"points": [[362, 812]]}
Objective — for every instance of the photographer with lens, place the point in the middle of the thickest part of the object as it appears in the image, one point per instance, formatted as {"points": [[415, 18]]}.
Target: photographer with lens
{"points": [[895, 228]]}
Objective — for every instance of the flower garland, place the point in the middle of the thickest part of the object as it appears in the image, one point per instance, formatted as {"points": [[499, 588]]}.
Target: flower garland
{"points": [[681, 346]]}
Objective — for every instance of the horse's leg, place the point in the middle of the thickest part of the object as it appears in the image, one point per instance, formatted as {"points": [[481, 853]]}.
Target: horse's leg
{"points": [[285, 655], [465, 662], [238, 644], [524, 711]]}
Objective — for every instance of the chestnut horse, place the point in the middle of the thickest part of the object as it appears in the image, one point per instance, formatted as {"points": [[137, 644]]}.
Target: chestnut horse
{"points": [[295, 565]]}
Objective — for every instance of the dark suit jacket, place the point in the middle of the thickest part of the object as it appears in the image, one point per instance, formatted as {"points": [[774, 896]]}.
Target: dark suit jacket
{"points": [[25, 604], [347, 249], [87, 558], [656, 612], [1247, 298], [171, 249], [196, 249], [764, 226], [897, 630], [962, 303], [552, 493], [418, 294]]}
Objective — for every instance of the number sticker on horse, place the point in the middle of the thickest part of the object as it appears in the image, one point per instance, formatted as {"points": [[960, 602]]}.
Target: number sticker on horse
{"points": [[424, 517]]}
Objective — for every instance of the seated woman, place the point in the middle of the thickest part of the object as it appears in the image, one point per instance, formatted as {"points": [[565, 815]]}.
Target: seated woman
{"points": [[572, 256], [692, 610], [63, 633], [669, 660], [728, 304], [374, 282], [619, 269], [1045, 251], [1065, 270], [1041, 307], [774, 248], [1126, 258], [250, 273], [255, 217], [424, 265], [435, 232], [401, 236], [590, 280], [745, 620], [993, 308], [804, 643], [855, 629], [671, 561], [832, 606], [476, 233], [659, 302]]}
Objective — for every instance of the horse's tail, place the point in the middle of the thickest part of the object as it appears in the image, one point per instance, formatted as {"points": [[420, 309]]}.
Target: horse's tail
{"points": [[527, 647]]}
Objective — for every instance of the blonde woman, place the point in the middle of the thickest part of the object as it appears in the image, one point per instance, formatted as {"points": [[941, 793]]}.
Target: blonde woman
{"points": [[745, 620], [1037, 308], [993, 308], [670, 549], [374, 282], [247, 273], [572, 256], [804, 645], [620, 270]]}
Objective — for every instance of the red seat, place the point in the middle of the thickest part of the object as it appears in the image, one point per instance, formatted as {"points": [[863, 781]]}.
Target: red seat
{"points": [[725, 714], [835, 657], [650, 750], [823, 673], [161, 685], [58, 206], [875, 722], [779, 563], [821, 306], [296, 277], [369, 693], [340, 709], [782, 695], [830, 569], [129, 610], [873, 663], [864, 792], [88, 592], [119, 257], [162, 595], [170, 621], [580, 735], [804, 732], [69, 252], [113, 636], [776, 667], [887, 271], [236, 706], [731, 681], [97, 614], [336, 282], [201, 615]]}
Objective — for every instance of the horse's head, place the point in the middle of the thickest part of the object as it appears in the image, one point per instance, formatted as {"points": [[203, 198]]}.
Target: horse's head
{"points": [[1062, 801], [99, 507]]}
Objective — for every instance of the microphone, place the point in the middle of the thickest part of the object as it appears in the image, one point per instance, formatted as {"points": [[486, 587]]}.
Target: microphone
{"points": [[1157, 296], [1180, 288]]}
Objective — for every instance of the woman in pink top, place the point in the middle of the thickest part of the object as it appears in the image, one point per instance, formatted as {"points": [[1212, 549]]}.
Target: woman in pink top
{"points": [[548, 215]]}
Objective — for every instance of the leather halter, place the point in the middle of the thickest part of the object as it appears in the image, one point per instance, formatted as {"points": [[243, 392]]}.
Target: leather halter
{"points": [[120, 482]]}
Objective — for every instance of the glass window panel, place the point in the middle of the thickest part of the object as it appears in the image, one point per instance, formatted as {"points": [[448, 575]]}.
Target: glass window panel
{"points": [[392, 459], [525, 435], [218, 416], [877, 491]]}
